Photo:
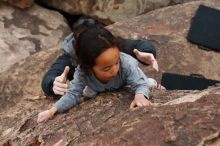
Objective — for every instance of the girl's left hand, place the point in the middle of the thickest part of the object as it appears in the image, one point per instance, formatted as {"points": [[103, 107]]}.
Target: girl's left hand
{"points": [[140, 100]]}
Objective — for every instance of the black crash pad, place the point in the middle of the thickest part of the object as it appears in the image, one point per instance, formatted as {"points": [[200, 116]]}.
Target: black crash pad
{"points": [[205, 28], [172, 81]]}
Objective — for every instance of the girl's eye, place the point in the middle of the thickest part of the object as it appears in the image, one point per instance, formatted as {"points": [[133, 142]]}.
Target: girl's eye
{"points": [[109, 68], [106, 69]]}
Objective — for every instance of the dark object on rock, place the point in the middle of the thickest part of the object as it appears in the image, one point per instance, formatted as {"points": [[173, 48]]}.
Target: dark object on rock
{"points": [[83, 23], [173, 81], [205, 28]]}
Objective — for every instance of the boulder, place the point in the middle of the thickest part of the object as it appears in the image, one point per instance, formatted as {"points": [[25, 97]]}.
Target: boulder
{"points": [[167, 28], [21, 93], [109, 11], [25, 32], [107, 120]]}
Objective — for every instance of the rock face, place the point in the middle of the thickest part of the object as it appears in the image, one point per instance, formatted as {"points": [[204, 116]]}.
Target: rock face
{"points": [[109, 11], [20, 87], [176, 118], [107, 121], [167, 28], [25, 32]]}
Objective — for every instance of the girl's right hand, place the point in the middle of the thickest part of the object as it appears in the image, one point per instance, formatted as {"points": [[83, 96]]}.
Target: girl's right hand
{"points": [[140, 101], [46, 115]]}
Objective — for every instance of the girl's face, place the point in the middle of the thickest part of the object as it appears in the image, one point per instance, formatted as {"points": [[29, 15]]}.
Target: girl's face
{"points": [[107, 65]]}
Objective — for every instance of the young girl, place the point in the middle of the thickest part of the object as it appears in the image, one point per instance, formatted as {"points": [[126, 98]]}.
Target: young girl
{"points": [[102, 67]]}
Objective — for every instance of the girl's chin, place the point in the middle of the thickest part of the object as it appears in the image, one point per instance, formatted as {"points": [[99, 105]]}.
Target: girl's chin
{"points": [[108, 79], [111, 78]]}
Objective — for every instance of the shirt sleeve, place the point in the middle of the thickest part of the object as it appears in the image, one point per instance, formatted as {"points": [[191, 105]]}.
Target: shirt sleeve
{"points": [[68, 47], [74, 93], [136, 78]]}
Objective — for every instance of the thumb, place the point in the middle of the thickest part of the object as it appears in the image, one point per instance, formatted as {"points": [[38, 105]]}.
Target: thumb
{"points": [[155, 65], [136, 52], [65, 73], [132, 105]]}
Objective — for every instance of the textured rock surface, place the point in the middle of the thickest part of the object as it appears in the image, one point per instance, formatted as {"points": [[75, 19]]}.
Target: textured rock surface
{"points": [[20, 86], [168, 28], [177, 117], [109, 10], [107, 120], [25, 32], [22, 4]]}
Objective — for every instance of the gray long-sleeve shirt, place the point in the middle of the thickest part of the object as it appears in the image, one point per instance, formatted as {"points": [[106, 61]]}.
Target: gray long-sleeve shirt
{"points": [[129, 73], [68, 58]]}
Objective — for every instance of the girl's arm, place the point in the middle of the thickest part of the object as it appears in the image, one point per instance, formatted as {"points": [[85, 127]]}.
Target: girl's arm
{"points": [[138, 81], [66, 59], [69, 99], [74, 93], [135, 77]]}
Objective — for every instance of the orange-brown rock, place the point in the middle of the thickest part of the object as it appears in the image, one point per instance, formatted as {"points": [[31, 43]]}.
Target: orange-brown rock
{"points": [[167, 28], [107, 120], [22, 4]]}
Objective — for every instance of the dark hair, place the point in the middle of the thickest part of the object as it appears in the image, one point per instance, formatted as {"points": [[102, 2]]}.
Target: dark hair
{"points": [[83, 23], [91, 43]]}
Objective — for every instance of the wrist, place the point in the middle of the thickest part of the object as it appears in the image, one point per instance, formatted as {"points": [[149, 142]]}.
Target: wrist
{"points": [[52, 111], [141, 95]]}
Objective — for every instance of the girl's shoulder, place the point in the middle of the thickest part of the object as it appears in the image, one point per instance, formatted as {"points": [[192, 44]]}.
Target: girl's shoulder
{"points": [[79, 71], [127, 61]]}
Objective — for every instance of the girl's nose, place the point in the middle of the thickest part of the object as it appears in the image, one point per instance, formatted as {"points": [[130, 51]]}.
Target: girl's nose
{"points": [[114, 70]]}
